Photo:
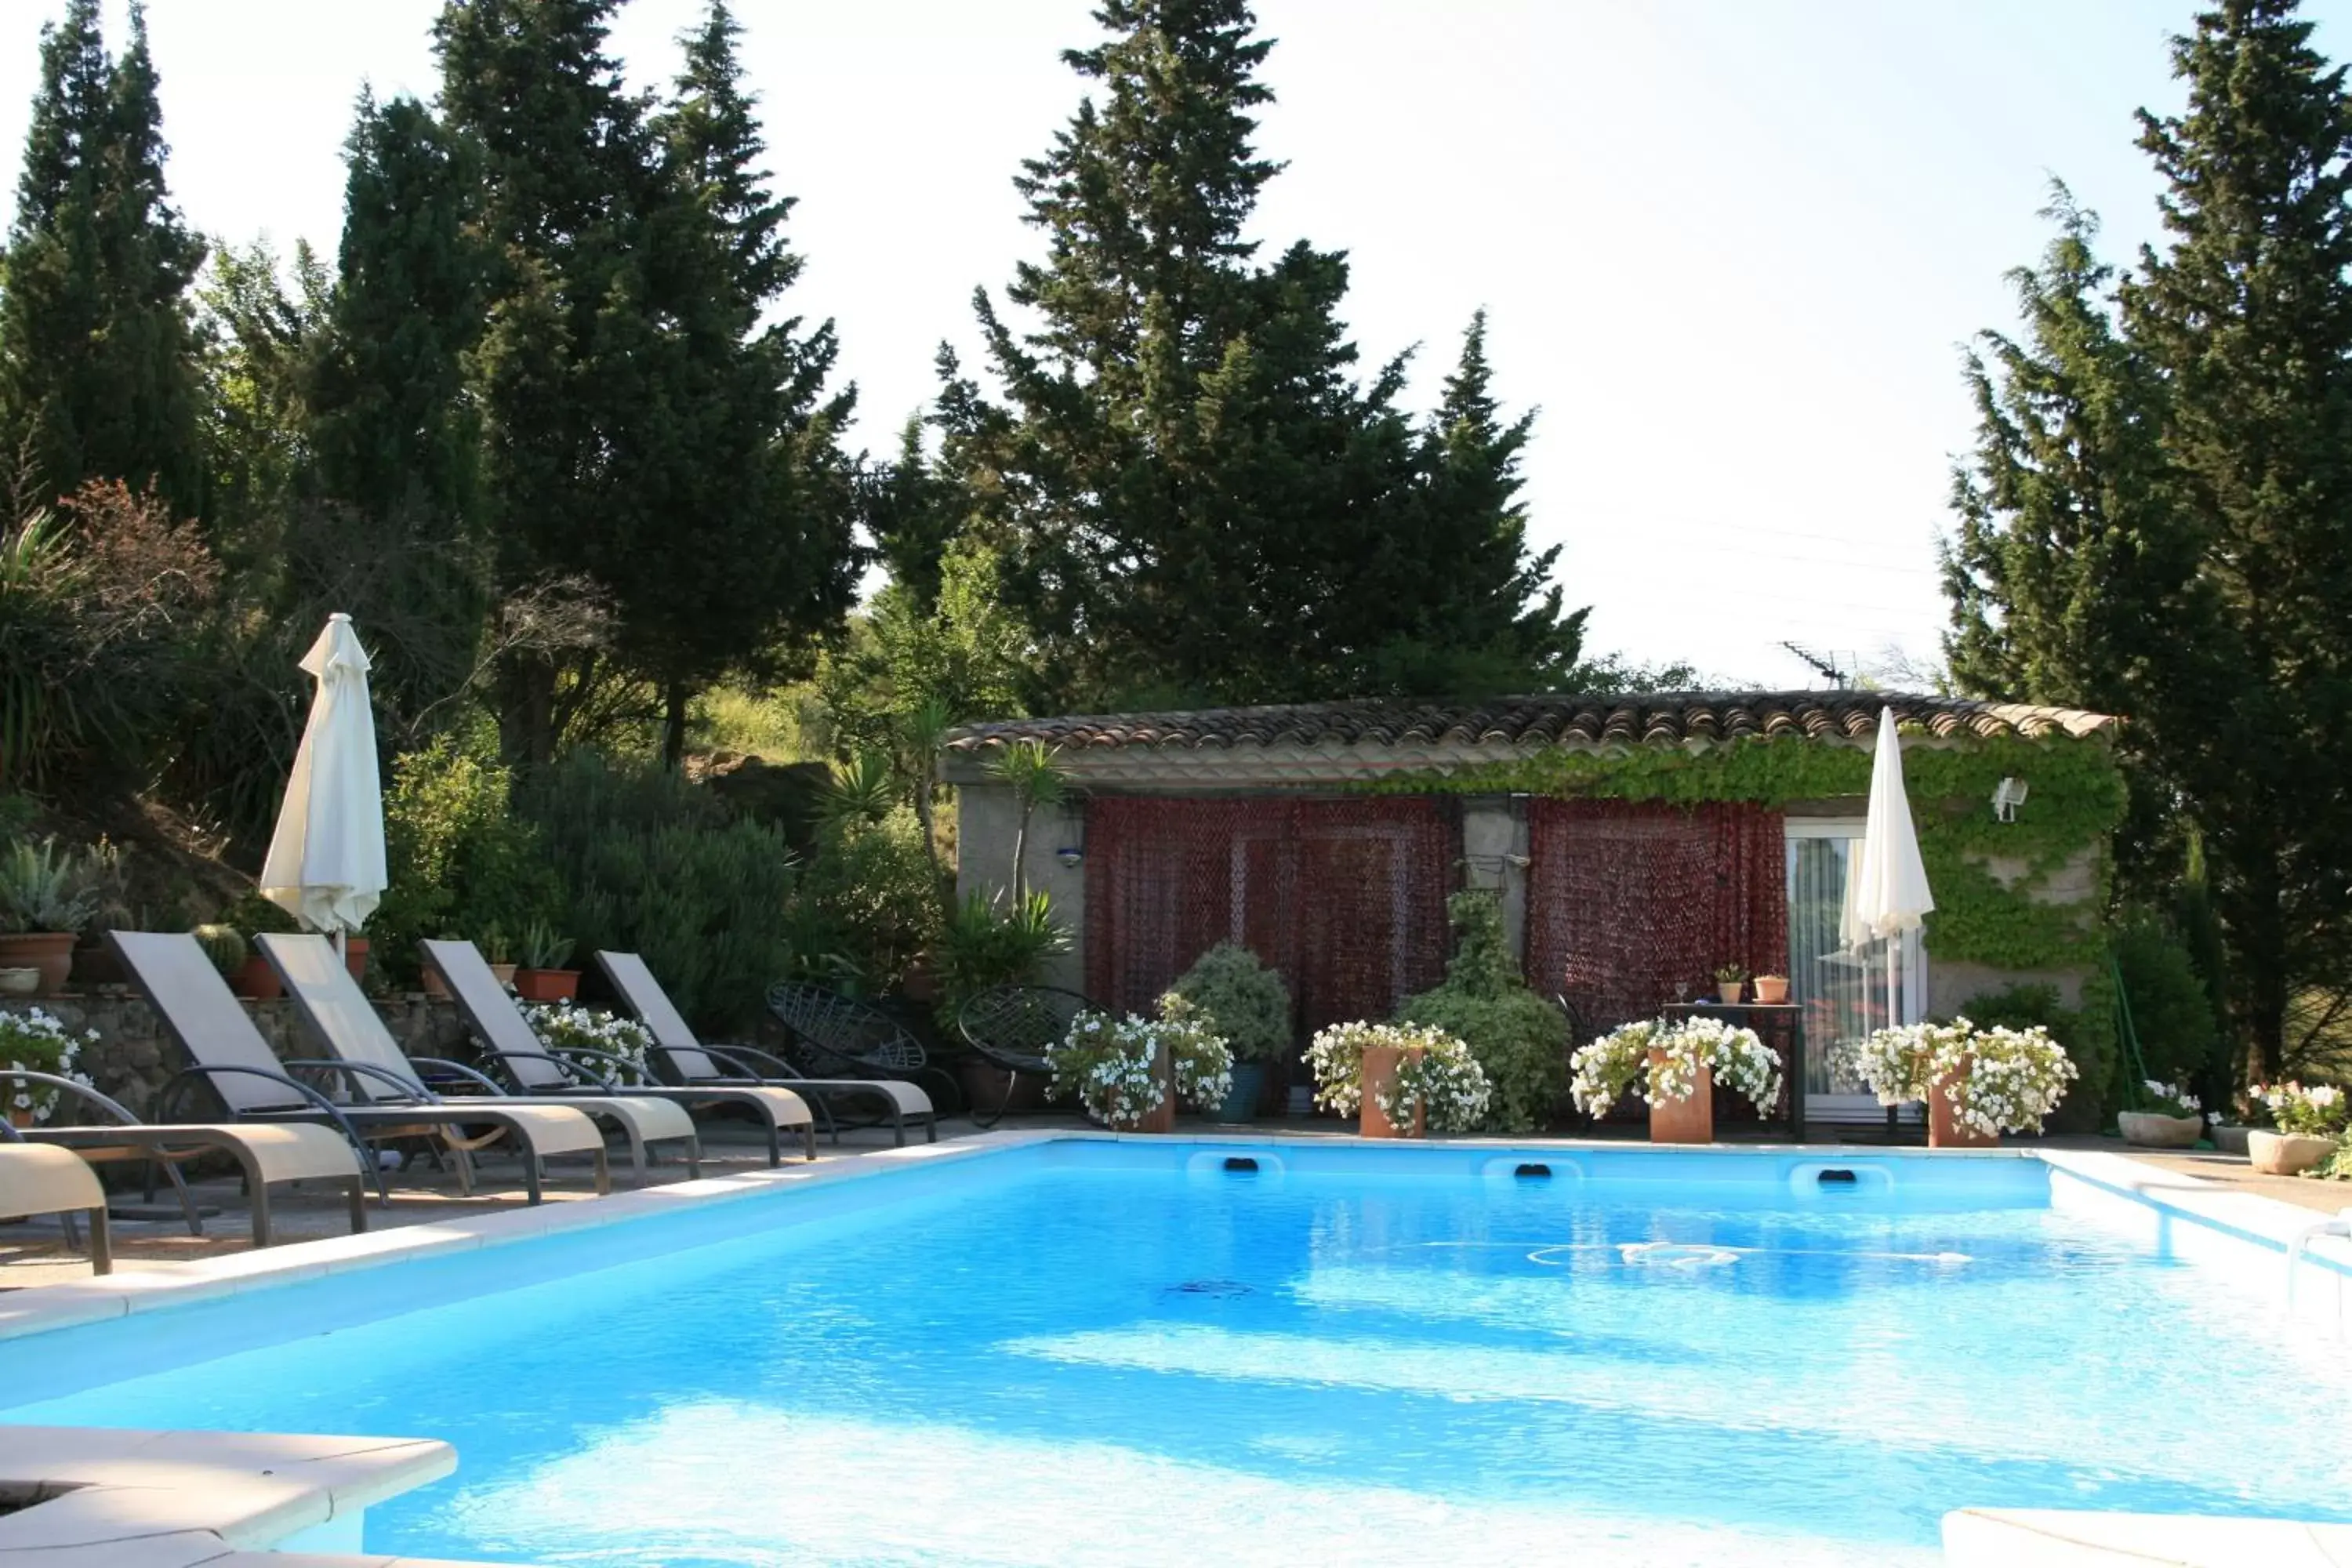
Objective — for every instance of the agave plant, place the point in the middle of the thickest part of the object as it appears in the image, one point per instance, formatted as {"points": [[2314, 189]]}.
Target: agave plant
{"points": [[48, 886]]}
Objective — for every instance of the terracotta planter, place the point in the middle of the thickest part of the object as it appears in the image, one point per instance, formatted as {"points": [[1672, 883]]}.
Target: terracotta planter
{"points": [[2229, 1140], [2287, 1153], [1771, 990], [1161, 1117], [547, 984], [2149, 1130], [1944, 1129], [255, 981], [1728, 992], [50, 952], [1690, 1119], [428, 980], [503, 974], [1381, 1064], [355, 956], [982, 1082]]}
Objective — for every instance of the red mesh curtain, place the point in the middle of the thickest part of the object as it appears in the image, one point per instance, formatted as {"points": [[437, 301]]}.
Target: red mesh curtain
{"points": [[1346, 898], [1631, 906]]}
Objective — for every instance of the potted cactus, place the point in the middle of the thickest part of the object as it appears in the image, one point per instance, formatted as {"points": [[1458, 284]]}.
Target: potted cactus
{"points": [[541, 976], [253, 978], [499, 952], [225, 946]]}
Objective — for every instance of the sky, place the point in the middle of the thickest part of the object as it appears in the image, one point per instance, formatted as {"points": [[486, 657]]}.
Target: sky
{"points": [[1731, 251]]}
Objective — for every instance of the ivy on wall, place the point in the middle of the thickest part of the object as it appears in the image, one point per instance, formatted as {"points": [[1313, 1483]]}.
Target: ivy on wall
{"points": [[1999, 901]]}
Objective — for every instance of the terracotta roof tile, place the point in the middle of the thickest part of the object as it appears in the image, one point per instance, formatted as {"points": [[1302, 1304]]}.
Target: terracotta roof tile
{"points": [[1655, 718]]}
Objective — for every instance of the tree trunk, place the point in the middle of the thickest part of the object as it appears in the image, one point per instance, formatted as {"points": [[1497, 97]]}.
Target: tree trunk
{"points": [[527, 711], [674, 699], [1021, 856]]}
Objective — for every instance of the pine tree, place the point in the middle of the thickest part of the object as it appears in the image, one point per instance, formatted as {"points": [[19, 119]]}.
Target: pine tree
{"points": [[98, 357], [1196, 497]]}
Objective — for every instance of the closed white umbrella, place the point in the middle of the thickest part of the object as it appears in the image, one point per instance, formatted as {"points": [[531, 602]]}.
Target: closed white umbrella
{"points": [[1888, 895], [326, 859]]}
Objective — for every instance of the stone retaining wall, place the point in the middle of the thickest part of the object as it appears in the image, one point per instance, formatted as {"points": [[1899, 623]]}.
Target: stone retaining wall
{"points": [[134, 1056]]}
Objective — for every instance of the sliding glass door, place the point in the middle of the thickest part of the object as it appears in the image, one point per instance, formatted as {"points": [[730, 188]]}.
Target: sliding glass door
{"points": [[1845, 993]]}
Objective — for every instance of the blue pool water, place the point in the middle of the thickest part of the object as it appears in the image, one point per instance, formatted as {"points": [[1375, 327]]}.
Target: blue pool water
{"points": [[1099, 1353]]}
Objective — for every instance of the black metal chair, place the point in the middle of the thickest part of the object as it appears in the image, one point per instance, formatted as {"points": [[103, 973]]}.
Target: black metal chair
{"points": [[1012, 1026], [834, 1036]]}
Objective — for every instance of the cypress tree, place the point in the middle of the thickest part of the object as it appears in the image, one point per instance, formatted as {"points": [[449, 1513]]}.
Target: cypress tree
{"points": [[1198, 500], [742, 550], [392, 432], [2248, 313], [2158, 517], [566, 167], [97, 356]]}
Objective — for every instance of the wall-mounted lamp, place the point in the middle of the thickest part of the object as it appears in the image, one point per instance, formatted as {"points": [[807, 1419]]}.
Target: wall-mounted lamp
{"points": [[1069, 855], [2007, 796]]}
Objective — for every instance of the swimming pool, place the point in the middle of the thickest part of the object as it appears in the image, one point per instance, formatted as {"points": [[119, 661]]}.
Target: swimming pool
{"points": [[1078, 1351]]}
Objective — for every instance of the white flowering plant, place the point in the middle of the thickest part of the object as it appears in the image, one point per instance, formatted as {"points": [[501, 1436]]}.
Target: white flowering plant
{"points": [[1996, 1081], [1602, 1070], [1112, 1064], [1336, 1057], [2169, 1099], [571, 1032], [36, 1040], [1444, 1084], [2318, 1111]]}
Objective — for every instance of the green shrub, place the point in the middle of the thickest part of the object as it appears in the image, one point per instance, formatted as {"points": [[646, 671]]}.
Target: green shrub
{"points": [[461, 862], [869, 901], [2172, 1012], [648, 863], [1520, 1040], [1245, 1001], [993, 942]]}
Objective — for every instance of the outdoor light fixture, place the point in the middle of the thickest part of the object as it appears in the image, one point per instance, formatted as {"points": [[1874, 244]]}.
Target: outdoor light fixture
{"points": [[2007, 796], [1069, 855]]}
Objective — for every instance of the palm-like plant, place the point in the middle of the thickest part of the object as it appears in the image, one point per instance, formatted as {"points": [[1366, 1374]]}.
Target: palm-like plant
{"points": [[1033, 770]]}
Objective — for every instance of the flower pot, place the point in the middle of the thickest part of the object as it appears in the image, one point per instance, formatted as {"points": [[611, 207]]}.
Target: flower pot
{"points": [[19, 981], [255, 981], [1771, 990], [1944, 1130], [1161, 1117], [2150, 1131], [547, 984], [355, 956], [49, 951], [503, 974], [1691, 1118], [20, 1117], [1728, 992], [2287, 1153], [1241, 1099], [1381, 1064], [428, 979], [2229, 1140]]}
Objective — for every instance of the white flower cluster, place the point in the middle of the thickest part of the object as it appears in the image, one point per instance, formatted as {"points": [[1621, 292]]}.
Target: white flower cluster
{"points": [[2318, 1111], [36, 1040], [1445, 1083], [1996, 1081], [1336, 1057], [2171, 1100], [1112, 1065], [565, 1029], [1601, 1071]]}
